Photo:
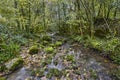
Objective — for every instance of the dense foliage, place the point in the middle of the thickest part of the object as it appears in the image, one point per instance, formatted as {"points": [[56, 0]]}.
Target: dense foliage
{"points": [[93, 22]]}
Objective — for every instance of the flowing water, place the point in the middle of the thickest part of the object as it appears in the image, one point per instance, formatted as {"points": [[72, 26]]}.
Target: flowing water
{"points": [[88, 65]]}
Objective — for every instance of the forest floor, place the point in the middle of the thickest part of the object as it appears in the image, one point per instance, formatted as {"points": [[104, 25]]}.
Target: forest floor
{"points": [[70, 62]]}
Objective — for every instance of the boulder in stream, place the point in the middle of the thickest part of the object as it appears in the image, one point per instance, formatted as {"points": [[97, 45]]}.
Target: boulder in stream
{"points": [[14, 64], [33, 50], [49, 49]]}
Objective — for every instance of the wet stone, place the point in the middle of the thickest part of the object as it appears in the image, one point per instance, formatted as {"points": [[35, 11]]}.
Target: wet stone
{"points": [[14, 64]]}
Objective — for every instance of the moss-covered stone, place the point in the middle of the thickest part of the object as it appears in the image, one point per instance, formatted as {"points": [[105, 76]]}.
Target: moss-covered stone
{"points": [[49, 49], [33, 50], [38, 73], [58, 43], [54, 72], [3, 78], [47, 60], [70, 58], [14, 64]]}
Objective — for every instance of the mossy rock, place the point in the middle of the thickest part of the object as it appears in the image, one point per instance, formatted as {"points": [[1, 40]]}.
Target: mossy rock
{"points": [[14, 64], [49, 49], [47, 60], [38, 73], [44, 63], [3, 78], [58, 43], [33, 50], [70, 58], [54, 72]]}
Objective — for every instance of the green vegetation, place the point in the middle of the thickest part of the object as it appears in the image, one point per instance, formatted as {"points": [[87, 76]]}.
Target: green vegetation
{"points": [[47, 60], [116, 74], [33, 50], [49, 49], [8, 51], [2, 78], [38, 73], [14, 64], [58, 43], [49, 24], [2, 68], [70, 58], [109, 46], [54, 72]]}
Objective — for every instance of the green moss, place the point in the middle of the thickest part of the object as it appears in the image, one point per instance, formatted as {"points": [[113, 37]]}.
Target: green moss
{"points": [[70, 58], [37, 73], [49, 49], [58, 43], [2, 78], [14, 64], [47, 60], [54, 72], [33, 50]]}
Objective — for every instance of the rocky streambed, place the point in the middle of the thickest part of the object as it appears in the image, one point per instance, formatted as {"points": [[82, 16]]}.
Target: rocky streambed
{"points": [[68, 62]]}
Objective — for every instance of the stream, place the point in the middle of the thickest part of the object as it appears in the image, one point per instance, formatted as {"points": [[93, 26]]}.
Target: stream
{"points": [[86, 65]]}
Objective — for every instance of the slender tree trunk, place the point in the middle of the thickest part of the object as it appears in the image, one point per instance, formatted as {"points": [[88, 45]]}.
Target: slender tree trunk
{"points": [[17, 22], [59, 16], [44, 21]]}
